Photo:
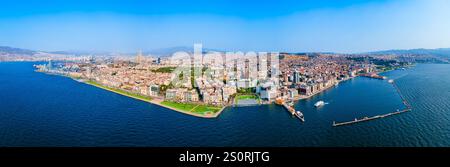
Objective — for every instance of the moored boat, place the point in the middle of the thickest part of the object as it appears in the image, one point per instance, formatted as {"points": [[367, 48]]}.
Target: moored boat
{"points": [[319, 103]]}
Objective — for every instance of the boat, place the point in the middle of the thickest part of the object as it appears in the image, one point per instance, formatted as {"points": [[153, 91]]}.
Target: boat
{"points": [[300, 116], [391, 81], [319, 103]]}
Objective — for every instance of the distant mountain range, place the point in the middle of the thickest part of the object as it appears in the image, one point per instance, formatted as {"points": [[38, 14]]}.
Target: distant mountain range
{"points": [[10, 50], [441, 52], [163, 52], [80, 53]]}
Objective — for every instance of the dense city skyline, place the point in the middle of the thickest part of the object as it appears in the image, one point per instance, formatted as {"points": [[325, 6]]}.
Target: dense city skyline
{"points": [[292, 26]]}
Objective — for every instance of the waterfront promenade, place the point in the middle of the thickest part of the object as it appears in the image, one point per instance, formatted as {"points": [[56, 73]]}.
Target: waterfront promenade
{"points": [[301, 97], [156, 101]]}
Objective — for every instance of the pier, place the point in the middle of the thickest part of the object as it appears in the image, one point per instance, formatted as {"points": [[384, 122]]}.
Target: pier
{"points": [[356, 120], [374, 75], [370, 118], [401, 96], [291, 110]]}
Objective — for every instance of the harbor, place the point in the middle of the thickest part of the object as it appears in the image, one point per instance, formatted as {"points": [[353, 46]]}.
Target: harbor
{"points": [[356, 120]]}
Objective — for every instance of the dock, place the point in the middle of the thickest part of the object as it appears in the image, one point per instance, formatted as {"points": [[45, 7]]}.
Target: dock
{"points": [[401, 96], [374, 75], [291, 110], [370, 118], [356, 120]]}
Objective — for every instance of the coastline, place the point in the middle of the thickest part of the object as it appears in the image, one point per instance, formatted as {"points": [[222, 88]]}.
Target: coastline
{"points": [[326, 88], [156, 102]]}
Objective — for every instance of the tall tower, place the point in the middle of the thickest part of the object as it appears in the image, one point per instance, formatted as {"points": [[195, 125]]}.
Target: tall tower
{"points": [[257, 63], [296, 76], [247, 69], [139, 57], [269, 64], [49, 65]]}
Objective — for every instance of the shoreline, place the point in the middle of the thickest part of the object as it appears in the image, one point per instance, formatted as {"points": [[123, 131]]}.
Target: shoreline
{"points": [[339, 82], [323, 90], [156, 102], [151, 100]]}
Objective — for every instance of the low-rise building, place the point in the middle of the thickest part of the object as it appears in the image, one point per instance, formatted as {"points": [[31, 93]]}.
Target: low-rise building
{"points": [[171, 94], [154, 90]]}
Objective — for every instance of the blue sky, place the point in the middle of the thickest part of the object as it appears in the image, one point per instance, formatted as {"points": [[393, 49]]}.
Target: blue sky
{"points": [[290, 25]]}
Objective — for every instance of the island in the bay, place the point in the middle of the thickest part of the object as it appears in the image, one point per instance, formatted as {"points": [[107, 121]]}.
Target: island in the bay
{"points": [[211, 81]]}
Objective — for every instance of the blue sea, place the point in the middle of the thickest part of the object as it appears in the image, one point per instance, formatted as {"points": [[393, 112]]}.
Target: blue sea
{"points": [[47, 110]]}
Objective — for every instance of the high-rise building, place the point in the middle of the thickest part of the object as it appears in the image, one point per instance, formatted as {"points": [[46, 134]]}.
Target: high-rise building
{"points": [[258, 63], [139, 57], [246, 69], [296, 78], [269, 64], [49, 65], [235, 65]]}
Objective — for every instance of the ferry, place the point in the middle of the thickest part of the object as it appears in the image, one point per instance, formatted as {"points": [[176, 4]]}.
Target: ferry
{"points": [[300, 116], [319, 103]]}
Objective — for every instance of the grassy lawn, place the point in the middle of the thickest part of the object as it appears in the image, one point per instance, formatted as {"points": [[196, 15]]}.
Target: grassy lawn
{"points": [[180, 106], [164, 69], [204, 109], [244, 97], [194, 108], [247, 97], [188, 107], [119, 91]]}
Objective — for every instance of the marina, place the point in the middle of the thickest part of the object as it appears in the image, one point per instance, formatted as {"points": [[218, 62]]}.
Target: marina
{"points": [[404, 101]]}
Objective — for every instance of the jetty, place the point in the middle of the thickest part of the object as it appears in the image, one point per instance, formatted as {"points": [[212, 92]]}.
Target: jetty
{"points": [[374, 75], [356, 120], [401, 95], [290, 109]]}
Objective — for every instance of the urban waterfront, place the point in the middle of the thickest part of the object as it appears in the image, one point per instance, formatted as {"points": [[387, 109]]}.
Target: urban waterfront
{"points": [[48, 110]]}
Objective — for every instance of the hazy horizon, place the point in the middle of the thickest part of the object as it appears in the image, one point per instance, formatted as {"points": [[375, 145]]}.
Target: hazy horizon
{"points": [[184, 48], [353, 26]]}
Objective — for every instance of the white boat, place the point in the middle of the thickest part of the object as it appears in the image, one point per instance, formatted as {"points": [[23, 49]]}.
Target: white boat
{"points": [[300, 116], [391, 81], [319, 103]]}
